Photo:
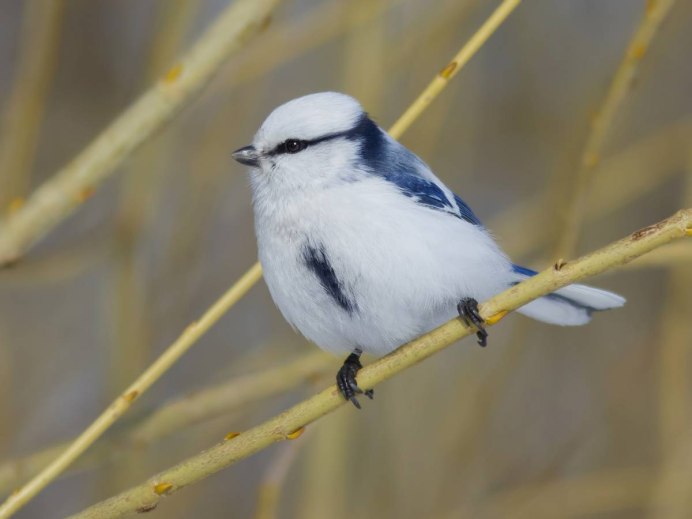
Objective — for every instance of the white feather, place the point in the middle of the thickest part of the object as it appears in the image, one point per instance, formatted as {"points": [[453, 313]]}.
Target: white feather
{"points": [[596, 298], [400, 264], [573, 306], [555, 312]]}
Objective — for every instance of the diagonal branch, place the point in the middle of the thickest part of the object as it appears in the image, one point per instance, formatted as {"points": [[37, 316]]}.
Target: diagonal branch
{"points": [[290, 423], [175, 415], [620, 86], [21, 124], [56, 199], [120, 405]]}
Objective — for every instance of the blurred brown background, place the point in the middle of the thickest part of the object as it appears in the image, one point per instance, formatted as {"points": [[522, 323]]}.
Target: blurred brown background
{"points": [[545, 422]]}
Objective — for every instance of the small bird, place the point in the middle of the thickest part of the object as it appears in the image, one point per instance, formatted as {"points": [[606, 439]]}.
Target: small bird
{"points": [[363, 248]]}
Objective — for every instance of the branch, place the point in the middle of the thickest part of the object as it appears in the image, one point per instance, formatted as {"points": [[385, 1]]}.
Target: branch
{"points": [[462, 57], [121, 404], [620, 86], [622, 179], [271, 486], [585, 495], [61, 195], [288, 424], [674, 413], [175, 415], [38, 52]]}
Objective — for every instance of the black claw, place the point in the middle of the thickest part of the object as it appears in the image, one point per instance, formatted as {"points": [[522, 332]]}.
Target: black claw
{"points": [[468, 311], [346, 380]]}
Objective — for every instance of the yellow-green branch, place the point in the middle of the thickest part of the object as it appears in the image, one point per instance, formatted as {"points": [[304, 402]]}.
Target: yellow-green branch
{"points": [[38, 52], [289, 424], [654, 13], [176, 415], [61, 195], [440, 81], [121, 404]]}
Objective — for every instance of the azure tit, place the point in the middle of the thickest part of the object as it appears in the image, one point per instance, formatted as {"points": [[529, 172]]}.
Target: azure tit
{"points": [[363, 248]]}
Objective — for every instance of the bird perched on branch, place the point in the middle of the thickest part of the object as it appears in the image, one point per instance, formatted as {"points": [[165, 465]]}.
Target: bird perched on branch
{"points": [[363, 248]]}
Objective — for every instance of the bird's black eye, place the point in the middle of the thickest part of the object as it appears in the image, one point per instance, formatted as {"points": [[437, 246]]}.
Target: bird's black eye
{"points": [[293, 145]]}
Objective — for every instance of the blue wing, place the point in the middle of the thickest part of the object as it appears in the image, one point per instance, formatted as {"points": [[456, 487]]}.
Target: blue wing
{"points": [[523, 271], [466, 213], [429, 194], [390, 160], [421, 190]]}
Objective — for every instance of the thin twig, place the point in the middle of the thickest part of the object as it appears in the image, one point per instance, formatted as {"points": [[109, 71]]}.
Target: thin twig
{"points": [[325, 473], [621, 84], [140, 198], [120, 405], [60, 265], [40, 38], [306, 31], [8, 420], [441, 80], [269, 493], [284, 426], [363, 53], [672, 496], [618, 181], [676, 353], [174, 416], [61, 195], [217, 400], [579, 496]]}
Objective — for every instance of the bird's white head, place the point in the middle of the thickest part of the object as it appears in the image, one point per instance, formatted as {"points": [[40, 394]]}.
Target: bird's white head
{"points": [[309, 143]]}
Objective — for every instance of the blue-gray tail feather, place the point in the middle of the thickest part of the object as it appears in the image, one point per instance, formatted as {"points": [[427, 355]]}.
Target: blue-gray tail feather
{"points": [[569, 306]]}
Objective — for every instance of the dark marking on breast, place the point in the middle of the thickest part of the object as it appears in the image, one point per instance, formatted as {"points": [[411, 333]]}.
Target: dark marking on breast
{"points": [[317, 261]]}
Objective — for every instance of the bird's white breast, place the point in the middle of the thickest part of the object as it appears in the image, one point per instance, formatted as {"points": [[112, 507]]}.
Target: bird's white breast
{"points": [[404, 265]]}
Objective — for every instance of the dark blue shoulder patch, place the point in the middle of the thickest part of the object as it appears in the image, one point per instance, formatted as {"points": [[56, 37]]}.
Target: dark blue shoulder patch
{"points": [[317, 261], [398, 165], [371, 138]]}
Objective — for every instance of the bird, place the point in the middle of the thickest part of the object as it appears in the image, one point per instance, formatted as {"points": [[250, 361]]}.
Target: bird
{"points": [[363, 248]]}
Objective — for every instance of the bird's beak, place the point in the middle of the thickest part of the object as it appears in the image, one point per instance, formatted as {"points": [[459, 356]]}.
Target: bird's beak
{"points": [[247, 155]]}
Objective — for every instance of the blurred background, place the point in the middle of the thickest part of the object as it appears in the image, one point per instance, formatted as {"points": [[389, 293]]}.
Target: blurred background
{"points": [[545, 422]]}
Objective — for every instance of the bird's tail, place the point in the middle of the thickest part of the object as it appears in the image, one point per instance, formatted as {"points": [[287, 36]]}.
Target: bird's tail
{"points": [[568, 306]]}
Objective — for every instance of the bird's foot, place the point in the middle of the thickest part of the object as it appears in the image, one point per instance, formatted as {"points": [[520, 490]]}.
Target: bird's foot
{"points": [[346, 379], [468, 311]]}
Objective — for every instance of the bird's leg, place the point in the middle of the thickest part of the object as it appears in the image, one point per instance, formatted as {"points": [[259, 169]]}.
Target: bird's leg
{"points": [[468, 311], [346, 379]]}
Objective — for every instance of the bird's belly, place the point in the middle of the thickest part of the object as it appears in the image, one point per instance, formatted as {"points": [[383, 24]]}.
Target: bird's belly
{"points": [[405, 278], [383, 317], [404, 266]]}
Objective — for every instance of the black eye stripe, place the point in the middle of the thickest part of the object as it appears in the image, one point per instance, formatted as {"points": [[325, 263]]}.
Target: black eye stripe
{"points": [[358, 132], [290, 146], [284, 146]]}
